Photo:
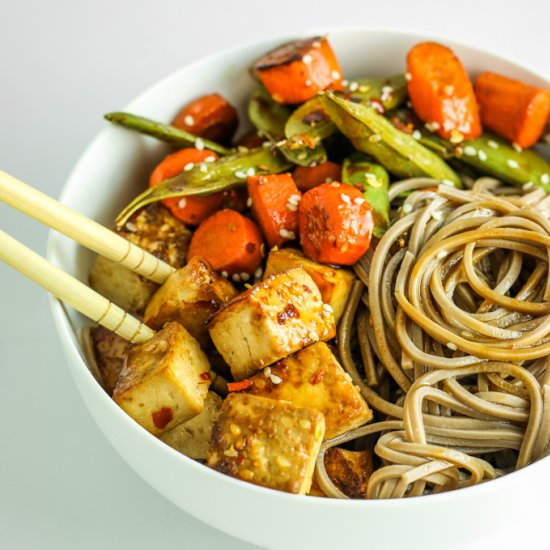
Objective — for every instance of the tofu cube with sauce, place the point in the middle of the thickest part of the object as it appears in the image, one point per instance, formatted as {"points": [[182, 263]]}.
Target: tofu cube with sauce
{"points": [[334, 283], [313, 377], [349, 470], [271, 320], [267, 442], [164, 381], [190, 296], [192, 438]]}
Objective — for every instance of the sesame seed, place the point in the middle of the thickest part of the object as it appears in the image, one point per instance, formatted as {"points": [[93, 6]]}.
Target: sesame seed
{"points": [[189, 120], [358, 200], [456, 136], [517, 147], [437, 215], [307, 58], [251, 172], [313, 335], [286, 234], [275, 379], [249, 202], [528, 185], [470, 151], [335, 184], [447, 182], [240, 174], [236, 277], [131, 227], [225, 274], [452, 346], [493, 144], [512, 163], [373, 181], [211, 158], [335, 75], [292, 207], [258, 273], [363, 88], [345, 83], [316, 44], [441, 254], [203, 168], [417, 134], [267, 372], [308, 82], [407, 208], [345, 198], [432, 126], [374, 138], [199, 144], [482, 155], [245, 276], [294, 199], [302, 156], [328, 307], [182, 203], [328, 180], [188, 166], [545, 178], [408, 77], [266, 144], [353, 86]]}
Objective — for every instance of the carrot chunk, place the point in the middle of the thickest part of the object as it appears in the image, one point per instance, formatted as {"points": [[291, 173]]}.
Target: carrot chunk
{"points": [[211, 117], [189, 210], [230, 242], [297, 71], [441, 92], [511, 108], [275, 201], [308, 177], [335, 224]]}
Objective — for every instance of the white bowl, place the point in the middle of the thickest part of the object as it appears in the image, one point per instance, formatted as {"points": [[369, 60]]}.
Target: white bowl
{"points": [[112, 170]]}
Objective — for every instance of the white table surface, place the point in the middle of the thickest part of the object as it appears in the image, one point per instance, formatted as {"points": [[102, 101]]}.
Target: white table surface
{"points": [[62, 65]]}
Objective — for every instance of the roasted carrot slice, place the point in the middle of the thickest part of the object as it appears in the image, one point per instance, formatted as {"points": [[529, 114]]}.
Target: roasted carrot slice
{"points": [[211, 117], [274, 206], [308, 177], [335, 224], [511, 108], [297, 71], [231, 243], [441, 92], [189, 210]]}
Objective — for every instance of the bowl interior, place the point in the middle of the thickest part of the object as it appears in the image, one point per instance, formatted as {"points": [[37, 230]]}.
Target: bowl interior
{"points": [[112, 170]]}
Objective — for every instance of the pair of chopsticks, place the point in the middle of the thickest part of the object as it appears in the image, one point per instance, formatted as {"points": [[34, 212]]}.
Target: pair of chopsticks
{"points": [[88, 233]]}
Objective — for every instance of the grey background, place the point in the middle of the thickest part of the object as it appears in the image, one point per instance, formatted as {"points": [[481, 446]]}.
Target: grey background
{"points": [[62, 65]]}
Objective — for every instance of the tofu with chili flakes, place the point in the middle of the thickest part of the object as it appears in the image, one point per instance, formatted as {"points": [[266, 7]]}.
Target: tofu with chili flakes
{"points": [[155, 230], [190, 296], [271, 320], [314, 378], [267, 442], [192, 438], [349, 470], [334, 283], [164, 381]]}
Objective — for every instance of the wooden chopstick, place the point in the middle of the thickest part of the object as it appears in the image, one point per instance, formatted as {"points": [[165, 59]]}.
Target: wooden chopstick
{"points": [[83, 230], [72, 291]]}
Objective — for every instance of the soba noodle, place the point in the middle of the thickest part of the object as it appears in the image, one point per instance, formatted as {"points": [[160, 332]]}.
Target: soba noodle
{"points": [[450, 319]]}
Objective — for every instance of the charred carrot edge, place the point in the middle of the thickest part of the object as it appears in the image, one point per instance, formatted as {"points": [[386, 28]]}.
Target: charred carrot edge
{"points": [[275, 201], [441, 92], [511, 108], [238, 386], [210, 116], [297, 71]]}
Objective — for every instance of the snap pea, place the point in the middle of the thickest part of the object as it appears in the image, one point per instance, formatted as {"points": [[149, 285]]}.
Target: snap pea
{"points": [[210, 177], [267, 116], [390, 91], [310, 119], [163, 132], [371, 133], [373, 180]]}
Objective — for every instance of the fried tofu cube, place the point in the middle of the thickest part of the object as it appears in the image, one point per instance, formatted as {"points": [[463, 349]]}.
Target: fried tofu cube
{"points": [[164, 381], [313, 377], [192, 438], [267, 442], [334, 283], [190, 296], [274, 318], [155, 230], [349, 470]]}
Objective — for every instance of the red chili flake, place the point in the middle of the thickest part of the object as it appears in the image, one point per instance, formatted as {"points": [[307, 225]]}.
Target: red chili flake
{"points": [[205, 376], [250, 248], [289, 312], [317, 376], [162, 417], [238, 386]]}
